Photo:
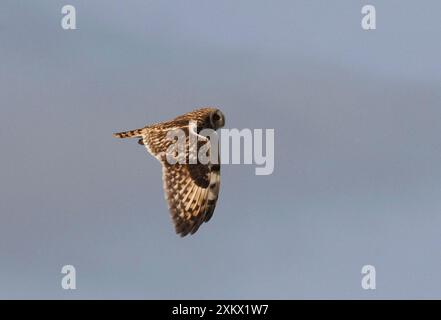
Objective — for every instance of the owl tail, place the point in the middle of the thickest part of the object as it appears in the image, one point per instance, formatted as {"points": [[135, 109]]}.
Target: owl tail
{"points": [[129, 134]]}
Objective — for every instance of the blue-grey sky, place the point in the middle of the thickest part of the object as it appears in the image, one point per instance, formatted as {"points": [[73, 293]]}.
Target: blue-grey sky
{"points": [[357, 176]]}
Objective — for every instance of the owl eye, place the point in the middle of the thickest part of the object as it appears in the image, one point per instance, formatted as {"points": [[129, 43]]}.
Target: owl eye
{"points": [[216, 117]]}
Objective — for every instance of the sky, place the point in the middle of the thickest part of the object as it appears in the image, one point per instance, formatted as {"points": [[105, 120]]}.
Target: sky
{"points": [[357, 174]]}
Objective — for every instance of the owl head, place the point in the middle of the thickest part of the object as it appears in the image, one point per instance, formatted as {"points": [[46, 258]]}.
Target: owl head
{"points": [[216, 119], [207, 118]]}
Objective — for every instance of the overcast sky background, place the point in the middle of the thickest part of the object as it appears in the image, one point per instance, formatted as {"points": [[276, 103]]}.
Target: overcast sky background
{"points": [[357, 175]]}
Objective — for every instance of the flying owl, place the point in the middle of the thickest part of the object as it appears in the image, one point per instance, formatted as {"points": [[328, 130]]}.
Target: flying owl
{"points": [[191, 188]]}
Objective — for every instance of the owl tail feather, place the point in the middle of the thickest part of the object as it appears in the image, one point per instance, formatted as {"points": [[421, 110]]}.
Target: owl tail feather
{"points": [[129, 134]]}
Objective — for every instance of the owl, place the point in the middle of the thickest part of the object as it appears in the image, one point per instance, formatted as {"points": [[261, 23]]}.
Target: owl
{"points": [[191, 188]]}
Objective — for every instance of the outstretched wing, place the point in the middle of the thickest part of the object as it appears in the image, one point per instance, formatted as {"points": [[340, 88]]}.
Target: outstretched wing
{"points": [[191, 190]]}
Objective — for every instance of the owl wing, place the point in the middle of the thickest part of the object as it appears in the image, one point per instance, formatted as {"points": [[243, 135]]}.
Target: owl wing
{"points": [[191, 190]]}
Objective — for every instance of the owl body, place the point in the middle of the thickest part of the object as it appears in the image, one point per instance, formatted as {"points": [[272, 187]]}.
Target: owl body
{"points": [[191, 189]]}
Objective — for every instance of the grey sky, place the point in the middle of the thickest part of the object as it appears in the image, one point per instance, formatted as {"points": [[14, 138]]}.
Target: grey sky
{"points": [[357, 148]]}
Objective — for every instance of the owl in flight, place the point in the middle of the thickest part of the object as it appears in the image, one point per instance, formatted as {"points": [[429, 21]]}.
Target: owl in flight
{"points": [[191, 187]]}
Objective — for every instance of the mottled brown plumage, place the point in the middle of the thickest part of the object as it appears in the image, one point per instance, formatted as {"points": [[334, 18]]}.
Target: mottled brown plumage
{"points": [[191, 189]]}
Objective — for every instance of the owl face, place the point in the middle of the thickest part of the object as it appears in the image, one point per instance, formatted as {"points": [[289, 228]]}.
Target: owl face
{"points": [[217, 119]]}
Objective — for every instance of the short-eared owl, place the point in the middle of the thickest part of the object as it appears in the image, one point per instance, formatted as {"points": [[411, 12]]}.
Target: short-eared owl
{"points": [[191, 187]]}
